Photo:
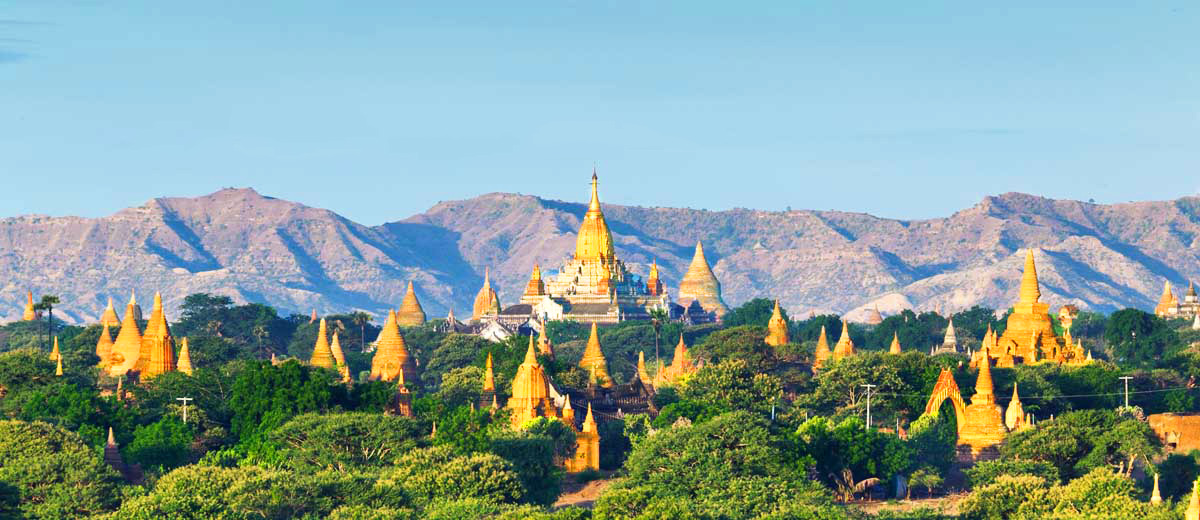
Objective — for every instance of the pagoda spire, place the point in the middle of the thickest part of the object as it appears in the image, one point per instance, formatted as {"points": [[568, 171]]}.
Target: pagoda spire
{"points": [[641, 368], [58, 371], [55, 354], [589, 422], [158, 348], [845, 345], [984, 388], [822, 353], [1029, 281], [1155, 496], [487, 302], [335, 348], [777, 329], [593, 359], [391, 354], [104, 347], [536, 287], [700, 284], [411, 313], [30, 314], [185, 358], [322, 355], [109, 317], [128, 345], [1193, 510], [895, 348], [112, 455], [489, 377], [1015, 412]]}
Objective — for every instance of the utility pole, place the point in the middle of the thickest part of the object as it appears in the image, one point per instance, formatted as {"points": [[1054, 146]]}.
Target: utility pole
{"points": [[869, 388], [1126, 379], [185, 406]]}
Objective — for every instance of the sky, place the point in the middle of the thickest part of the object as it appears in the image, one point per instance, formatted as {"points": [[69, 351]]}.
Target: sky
{"points": [[378, 110]]}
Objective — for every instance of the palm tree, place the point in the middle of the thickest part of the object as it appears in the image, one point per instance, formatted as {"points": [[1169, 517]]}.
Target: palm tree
{"points": [[847, 487], [47, 304], [361, 319], [260, 333], [657, 318]]}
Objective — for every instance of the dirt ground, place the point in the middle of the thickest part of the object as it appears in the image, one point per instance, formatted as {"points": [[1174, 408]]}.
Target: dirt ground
{"points": [[582, 494], [947, 504]]}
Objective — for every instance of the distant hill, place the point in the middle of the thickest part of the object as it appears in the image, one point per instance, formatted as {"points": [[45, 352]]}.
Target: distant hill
{"points": [[257, 248]]}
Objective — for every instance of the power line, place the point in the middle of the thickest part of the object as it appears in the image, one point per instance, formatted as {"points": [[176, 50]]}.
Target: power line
{"points": [[1023, 397]]}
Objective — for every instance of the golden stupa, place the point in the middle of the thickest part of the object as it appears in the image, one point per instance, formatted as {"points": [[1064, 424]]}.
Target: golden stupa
{"points": [[58, 371], [128, 346], [137, 309], [845, 345], [530, 392], [654, 284], [487, 302], [587, 445], [701, 285], [55, 354], [335, 348], [1029, 336], [104, 347], [594, 242], [895, 347], [1168, 304], [822, 354], [392, 360], [411, 314], [322, 355], [109, 318], [593, 361], [29, 314], [158, 347], [1014, 415], [681, 364], [536, 288], [185, 358], [777, 329], [489, 376], [983, 425], [1193, 510]]}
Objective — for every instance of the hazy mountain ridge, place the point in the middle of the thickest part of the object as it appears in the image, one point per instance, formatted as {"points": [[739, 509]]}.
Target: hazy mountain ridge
{"points": [[256, 248]]}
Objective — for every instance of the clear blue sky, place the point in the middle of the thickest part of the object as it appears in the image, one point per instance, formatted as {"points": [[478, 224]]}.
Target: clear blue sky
{"points": [[378, 110]]}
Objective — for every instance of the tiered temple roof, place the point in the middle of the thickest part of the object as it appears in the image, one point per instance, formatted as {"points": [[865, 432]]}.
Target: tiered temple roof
{"points": [[487, 302], [411, 314], [593, 360], [777, 328], [845, 345], [391, 354], [158, 347], [109, 317], [701, 285]]}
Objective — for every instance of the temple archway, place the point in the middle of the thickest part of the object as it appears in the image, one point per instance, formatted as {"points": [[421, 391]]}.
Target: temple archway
{"points": [[946, 388]]}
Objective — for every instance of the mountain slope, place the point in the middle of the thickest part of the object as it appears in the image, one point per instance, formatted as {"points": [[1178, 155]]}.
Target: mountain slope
{"points": [[255, 248]]}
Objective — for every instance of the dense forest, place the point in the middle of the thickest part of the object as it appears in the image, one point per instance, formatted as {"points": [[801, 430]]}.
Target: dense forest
{"points": [[752, 434]]}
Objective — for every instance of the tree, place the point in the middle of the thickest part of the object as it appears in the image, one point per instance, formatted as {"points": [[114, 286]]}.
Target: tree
{"points": [[657, 318], [346, 442], [438, 474], [730, 386], [162, 445], [744, 342], [755, 312], [47, 304], [58, 475], [361, 319], [927, 478], [835, 447], [265, 396], [1078, 442], [1136, 336]]}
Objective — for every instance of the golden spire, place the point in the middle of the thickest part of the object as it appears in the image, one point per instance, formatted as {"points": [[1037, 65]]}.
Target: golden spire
{"points": [[544, 344], [1015, 412], [593, 359], [530, 391], [185, 358], [822, 353], [1155, 496], [109, 317], [104, 347], [30, 314], [411, 314], [391, 354], [1029, 281], [984, 389], [137, 309], [589, 422], [489, 378], [58, 370], [313, 317], [128, 345], [700, 284], [895, 348], [653, 283], [594, 243], [487, 302], [568, 413], [535, 287], [845, 345], [777, 329], [495, 404], [158, 348], [54, 352], [322, 355], [641, 368], [335, 348], [1193, 510]]}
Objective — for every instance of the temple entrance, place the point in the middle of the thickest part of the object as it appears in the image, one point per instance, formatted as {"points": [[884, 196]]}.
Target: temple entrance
{"points": [[945, 389]]}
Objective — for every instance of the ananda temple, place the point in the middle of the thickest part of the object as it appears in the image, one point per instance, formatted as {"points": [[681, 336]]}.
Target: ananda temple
{"points": [[593, 285]]}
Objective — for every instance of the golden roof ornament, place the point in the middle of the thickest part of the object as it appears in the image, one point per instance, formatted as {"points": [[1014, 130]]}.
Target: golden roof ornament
{"points": [[700, 284], [128, 346], [322, 355], [411, 314], [595, 242], [185, 358], [593, 360], [777, 329], [489, 378]]}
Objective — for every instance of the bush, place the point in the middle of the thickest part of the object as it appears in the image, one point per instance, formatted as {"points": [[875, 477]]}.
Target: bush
{"points": [[346, 441], [1002, 497], [986, 472], [57, 474], [436, 474]]}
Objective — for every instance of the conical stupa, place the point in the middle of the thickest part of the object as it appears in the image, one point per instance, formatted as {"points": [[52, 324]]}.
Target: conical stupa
{"points": [[127, 348], [777, 328], [822, 354], [322, 355], [158, 347], [109, 317], [185, 358], [29, 313], [392, 360], [593, 361], [411, 314], [104, 348], [700, 284], [487, 302], [845, 345]]}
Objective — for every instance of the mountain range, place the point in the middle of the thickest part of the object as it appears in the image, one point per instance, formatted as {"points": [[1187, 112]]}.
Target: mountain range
{"points": [[255, 248]]}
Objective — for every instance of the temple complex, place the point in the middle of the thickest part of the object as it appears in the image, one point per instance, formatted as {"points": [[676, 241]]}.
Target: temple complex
{"points": [[593, 361], [322, 355], [410, 314], [145, 353], [391, 354], [777, 328], [1170, 307], [1029, 334], [29, 313], [845, 346], [822, 354], [700, 285]]}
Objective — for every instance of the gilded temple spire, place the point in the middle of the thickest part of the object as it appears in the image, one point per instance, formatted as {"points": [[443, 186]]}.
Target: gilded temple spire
{"points": [[391, 357], [489, 377], [822, 353], [335, 348], [530, 391], [54, 352], [984, 388], [1155, 496], [1030, 292], [700, 284], [411, 314], [487, 302], [128, 345], [158, 348], [109, 317], [895, 348], [30, 314], [641, 368], [536, 288], [593, 359], [845, 345], [594, 242], [185, 358], [58, 371], [777, 329], [322, 355], [1193, 510], [1015, 413], [104, 347]]}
